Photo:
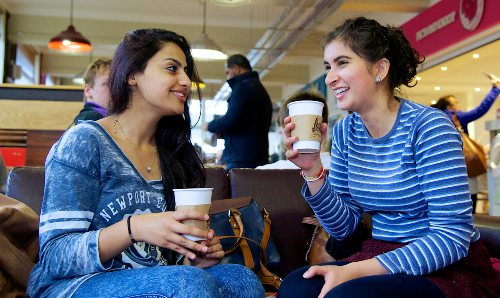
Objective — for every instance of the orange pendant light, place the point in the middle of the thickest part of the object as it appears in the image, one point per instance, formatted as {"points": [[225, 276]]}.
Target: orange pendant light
{"points": [[70, 40]]}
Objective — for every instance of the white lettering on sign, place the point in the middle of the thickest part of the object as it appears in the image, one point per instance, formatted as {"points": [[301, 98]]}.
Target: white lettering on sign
{"points": [[437, 25]]}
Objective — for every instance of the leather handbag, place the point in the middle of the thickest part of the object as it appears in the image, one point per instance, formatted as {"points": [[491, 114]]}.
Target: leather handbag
{"points": [[316, 252], [475, 157], [244, 232]]}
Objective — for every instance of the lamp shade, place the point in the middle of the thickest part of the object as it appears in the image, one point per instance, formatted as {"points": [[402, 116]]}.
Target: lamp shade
{"points": [[204, 48], [70, 41]]}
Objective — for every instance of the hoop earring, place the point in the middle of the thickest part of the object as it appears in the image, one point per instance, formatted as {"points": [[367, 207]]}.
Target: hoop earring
{"points": [[378, 79]]}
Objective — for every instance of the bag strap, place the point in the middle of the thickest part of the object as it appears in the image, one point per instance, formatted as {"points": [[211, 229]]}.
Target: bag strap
{"points": [[455, 121], [234, 217], [266, 277], [266, 234], [241, 242]]}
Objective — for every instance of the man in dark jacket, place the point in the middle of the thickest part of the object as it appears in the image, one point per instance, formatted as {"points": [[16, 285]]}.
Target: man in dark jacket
{"points": [[245, 125]]}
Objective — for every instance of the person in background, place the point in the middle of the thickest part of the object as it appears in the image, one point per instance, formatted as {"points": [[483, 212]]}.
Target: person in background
{"points": [[245, 126], [3, 174], [95, 91], [319, 238], [283, 113], [108, 225], [398, 161], [450, 106]]}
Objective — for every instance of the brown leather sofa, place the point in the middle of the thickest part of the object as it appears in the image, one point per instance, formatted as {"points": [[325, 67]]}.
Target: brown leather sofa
{"points": [[276, 190]]}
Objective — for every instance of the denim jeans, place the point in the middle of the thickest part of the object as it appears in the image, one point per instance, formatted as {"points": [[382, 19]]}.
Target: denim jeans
{"points": [[227, 280], [377, 286]]}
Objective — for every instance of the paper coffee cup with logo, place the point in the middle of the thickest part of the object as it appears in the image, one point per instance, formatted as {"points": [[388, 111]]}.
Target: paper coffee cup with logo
{"points": [[306, 114], [198, 199]]}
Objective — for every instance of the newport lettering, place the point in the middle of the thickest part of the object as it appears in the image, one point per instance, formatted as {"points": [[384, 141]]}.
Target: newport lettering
{"points": [[137, 199]]}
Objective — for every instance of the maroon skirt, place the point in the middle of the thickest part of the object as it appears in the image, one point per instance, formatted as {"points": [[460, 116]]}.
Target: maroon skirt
{"points": [[472, 276]]}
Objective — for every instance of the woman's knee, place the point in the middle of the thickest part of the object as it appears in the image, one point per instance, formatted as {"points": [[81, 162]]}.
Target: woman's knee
{"points": [[236, 281], [168, 281], [295, 285], [192, 281]]}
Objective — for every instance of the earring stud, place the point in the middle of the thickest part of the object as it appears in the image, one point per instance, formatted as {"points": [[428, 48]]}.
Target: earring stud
{"points": [[378, 79]]}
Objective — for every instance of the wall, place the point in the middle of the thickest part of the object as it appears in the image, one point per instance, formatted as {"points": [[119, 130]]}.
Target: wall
{"points": [[38, 107], [37, 114]]}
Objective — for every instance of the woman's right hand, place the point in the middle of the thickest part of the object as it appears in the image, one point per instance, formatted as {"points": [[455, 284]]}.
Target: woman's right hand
{"points": [[165, 229], [495, 81], [304, 161]]}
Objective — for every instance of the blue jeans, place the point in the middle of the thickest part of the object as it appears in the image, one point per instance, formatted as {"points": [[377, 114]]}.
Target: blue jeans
{"points": [[225, 280]]}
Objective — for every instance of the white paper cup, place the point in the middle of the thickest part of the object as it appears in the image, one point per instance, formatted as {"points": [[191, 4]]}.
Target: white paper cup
{"points": [[306, 114], [198, 199]]}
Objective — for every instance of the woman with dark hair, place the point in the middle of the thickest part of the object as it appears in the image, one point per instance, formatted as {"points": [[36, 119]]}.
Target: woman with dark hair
{"points": [[401, 163], [450, 106], [108, 226]]}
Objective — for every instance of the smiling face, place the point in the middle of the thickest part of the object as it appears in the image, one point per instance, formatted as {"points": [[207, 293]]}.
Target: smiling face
{"points": [[351, 78], [163, 86]]}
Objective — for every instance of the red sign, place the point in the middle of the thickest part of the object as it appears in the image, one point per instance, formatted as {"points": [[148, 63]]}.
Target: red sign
{"points": [[450, 21]]}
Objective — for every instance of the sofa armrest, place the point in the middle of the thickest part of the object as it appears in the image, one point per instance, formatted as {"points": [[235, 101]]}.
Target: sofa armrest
{"points": [[489, 227], [26, 184]]}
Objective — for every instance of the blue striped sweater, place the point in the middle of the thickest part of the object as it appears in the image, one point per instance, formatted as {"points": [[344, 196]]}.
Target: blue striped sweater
{"points": [[413, 182]]}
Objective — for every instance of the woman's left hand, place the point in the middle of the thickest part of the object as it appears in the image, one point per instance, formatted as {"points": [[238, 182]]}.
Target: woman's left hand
{"points": [[213, 255], [335, 275]]}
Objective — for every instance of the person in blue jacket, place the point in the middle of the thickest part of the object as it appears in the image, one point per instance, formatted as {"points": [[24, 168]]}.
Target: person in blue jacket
{"points": [[399, 162], [245, 126], [108, 225], [3, 174], [450, 106]]}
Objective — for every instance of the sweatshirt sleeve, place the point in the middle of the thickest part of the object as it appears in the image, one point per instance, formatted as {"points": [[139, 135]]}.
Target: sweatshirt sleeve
{"points": [[465, 117], [336, 210], [68, 247]]}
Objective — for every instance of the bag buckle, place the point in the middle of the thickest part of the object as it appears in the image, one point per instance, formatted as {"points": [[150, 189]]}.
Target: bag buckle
{"points": [[264, 212]]}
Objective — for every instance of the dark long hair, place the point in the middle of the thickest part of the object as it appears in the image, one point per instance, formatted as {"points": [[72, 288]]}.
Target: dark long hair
{"points": [[372, 42], [443, 103], [180, 164]]}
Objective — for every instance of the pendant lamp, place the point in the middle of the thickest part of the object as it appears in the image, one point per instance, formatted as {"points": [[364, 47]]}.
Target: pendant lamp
{"points": [[204, 48], [70, 40]]}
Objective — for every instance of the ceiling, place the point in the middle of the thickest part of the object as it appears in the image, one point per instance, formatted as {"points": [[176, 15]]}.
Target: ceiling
{"points": [[281, 35], [293, 59]]}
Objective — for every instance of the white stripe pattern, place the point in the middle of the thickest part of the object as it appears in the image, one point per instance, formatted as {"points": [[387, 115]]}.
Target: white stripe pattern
{"points": [[412, 181]]}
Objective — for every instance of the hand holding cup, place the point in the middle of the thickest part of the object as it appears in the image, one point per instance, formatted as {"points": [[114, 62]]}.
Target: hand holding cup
{"points": [[306, 115], [198, 199]]}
